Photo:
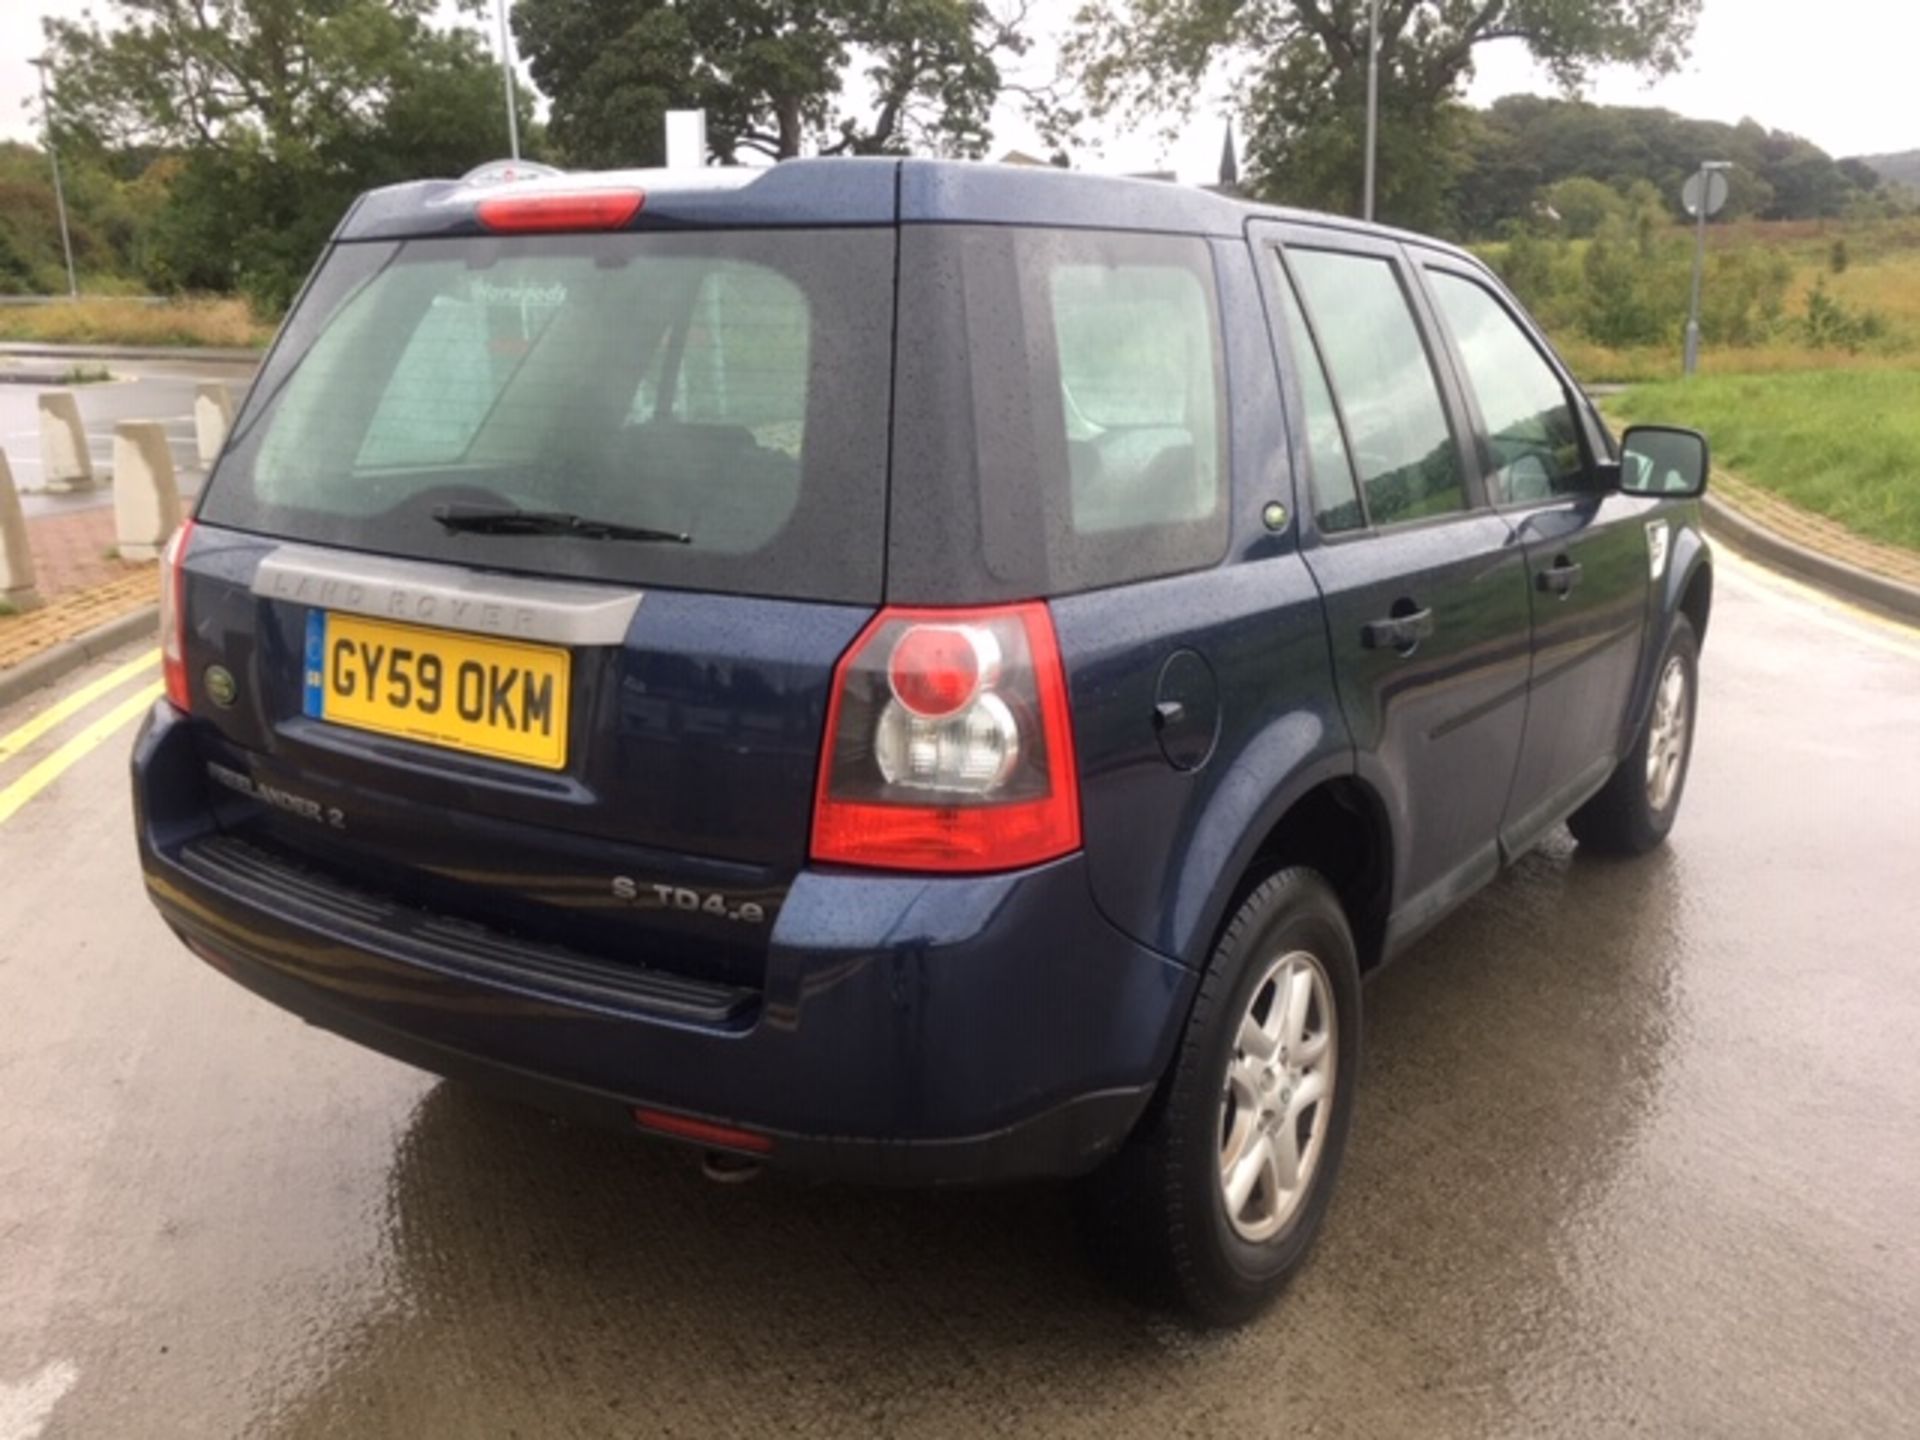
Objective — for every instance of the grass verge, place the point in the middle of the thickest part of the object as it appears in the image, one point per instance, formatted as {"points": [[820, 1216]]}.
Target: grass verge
{"points": [[1843, 444], [200, 320]]}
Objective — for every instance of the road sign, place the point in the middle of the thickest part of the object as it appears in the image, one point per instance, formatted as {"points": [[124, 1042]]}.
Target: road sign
{"points": [[1716, 181]]}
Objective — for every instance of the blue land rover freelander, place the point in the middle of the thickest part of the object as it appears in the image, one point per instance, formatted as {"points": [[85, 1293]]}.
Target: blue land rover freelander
{"points": [[907, 671]]}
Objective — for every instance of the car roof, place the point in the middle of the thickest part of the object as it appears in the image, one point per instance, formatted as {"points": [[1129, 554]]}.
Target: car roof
{"points": [[876, 190]]}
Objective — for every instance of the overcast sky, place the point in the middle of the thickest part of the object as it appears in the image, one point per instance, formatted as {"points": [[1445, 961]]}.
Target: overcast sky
{"points": [[1843, 73]]}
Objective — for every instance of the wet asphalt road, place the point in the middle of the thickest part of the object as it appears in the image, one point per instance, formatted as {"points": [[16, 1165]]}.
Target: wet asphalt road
{"points": [[1637, 1150]]}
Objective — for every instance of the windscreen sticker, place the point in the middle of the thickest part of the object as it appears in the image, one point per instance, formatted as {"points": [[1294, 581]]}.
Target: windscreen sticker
{"points": [[312, 704], [492, 292]]}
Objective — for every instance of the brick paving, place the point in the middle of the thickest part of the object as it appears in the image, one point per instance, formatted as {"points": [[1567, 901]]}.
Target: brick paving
{"points": [[84, 584], [24, 636], [73, 551], [1816, 532]]}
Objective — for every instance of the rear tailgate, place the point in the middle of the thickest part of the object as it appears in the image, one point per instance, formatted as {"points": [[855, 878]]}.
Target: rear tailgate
{"points": [[670, 831], [623, 739]]}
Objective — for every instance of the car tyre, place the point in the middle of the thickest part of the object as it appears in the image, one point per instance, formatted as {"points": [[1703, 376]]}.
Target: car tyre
{"points": [[1157, 1214], [1635, 809]]}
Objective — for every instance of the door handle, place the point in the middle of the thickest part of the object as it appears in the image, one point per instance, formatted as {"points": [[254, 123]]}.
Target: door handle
{"points": [[1559, 578], [1397, 632]]}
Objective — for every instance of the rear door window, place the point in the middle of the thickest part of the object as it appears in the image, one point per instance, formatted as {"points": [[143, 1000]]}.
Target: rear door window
{"points": [[1403, 444], [1336, 501], [730, 386]]}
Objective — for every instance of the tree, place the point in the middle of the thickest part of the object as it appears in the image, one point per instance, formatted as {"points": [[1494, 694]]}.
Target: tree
{"points": [[769, 73], [1299, 69], [281, 111], [1526, 142]]}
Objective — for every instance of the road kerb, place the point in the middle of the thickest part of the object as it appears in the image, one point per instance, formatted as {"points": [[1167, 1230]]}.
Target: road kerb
{"points": [[61, 660], [1879, 593]]}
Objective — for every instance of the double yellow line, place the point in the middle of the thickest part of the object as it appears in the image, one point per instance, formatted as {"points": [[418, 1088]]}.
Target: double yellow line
{"points": [[1829, 611], [45, 771]]}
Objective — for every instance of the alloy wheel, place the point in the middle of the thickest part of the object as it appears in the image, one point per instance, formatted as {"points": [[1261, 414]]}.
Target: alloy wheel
{"points": [[1276, 1100], [1667, 736]]}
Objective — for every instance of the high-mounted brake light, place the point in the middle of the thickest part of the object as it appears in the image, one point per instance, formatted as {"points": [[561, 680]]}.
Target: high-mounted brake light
{"points": [[173, 615], [949, 745], [546, 213]]}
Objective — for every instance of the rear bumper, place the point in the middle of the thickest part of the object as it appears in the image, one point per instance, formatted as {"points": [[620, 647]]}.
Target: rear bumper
{"points": [[911, 1029]]}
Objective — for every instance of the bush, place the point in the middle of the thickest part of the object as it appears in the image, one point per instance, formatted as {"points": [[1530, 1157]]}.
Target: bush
{"points": [[199, 320], [1627, 286], [1828, 324], [1744, 297]]}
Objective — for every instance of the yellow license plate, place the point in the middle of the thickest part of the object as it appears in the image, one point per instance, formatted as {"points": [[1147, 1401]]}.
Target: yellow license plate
{"points": [[499, 698]]}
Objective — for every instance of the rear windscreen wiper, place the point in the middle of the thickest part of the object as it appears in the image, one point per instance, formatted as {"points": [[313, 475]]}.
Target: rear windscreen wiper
{"points": [[485, 520]]}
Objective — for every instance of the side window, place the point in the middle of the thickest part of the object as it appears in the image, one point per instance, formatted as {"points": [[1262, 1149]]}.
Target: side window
{"points": [[1403, 446], [1140, 389], [1530, 425], [1336, 501]]}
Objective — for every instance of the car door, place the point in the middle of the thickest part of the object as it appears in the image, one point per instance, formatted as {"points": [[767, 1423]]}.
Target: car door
{"points": [[1586, 544], [1424, 588]]}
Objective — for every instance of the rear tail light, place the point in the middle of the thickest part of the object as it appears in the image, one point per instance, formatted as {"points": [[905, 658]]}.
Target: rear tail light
{"points": [[949, 745], [545, 214], [173, 615]]}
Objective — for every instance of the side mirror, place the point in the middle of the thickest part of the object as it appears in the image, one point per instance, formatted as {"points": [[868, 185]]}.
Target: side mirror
{"points": [[1663, 460]]}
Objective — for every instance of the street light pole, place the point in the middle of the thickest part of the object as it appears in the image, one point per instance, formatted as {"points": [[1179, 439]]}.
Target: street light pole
{"points": [[59, 191], [1373, 102], [506, 79]]}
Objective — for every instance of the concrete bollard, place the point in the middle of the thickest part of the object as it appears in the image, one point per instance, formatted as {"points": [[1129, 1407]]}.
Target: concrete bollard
{"points": [[146, 498], [16, 561], [212, 418], [65, 463]]}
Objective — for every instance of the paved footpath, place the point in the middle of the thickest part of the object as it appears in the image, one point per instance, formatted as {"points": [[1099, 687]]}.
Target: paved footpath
{"points": [[74, 550]]}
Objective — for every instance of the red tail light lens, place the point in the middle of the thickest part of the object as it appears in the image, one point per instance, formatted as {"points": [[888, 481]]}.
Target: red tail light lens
{"points": [[545, 214], [173, 615], [949, 745]]}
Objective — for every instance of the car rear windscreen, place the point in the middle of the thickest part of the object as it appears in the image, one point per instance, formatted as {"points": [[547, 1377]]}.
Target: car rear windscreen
{"points": [[729, 386]]}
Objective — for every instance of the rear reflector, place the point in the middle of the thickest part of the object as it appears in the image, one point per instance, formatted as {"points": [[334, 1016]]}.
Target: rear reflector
{"points": [[544, 214], [704, 1132]]}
